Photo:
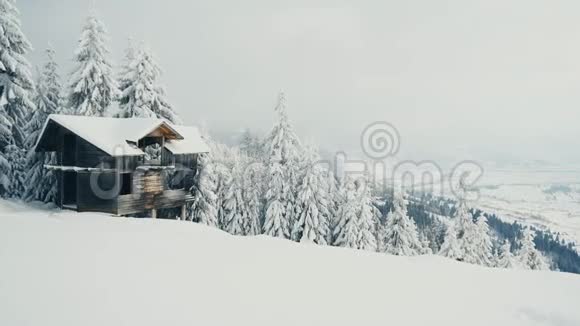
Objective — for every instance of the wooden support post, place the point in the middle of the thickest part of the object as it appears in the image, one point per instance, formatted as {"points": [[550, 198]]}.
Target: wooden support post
{"points": [[183, 210], [154, 213]]}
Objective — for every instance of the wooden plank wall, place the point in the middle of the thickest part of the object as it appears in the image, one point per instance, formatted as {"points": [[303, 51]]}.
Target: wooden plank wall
{"points": [[136, 203]]}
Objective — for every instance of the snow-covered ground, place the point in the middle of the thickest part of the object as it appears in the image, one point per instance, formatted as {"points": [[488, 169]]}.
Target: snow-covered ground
{"points": [[63, 268]]}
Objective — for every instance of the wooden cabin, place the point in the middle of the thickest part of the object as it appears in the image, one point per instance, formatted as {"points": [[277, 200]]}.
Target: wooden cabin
{"points": [[121, 166]]}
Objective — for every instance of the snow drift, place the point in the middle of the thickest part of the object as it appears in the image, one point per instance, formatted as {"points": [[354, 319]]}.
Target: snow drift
{"points": [[64, 268]]}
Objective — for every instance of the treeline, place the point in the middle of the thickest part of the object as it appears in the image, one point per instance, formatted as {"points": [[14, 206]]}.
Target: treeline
{"points": [[274, 186], [430, 213]]}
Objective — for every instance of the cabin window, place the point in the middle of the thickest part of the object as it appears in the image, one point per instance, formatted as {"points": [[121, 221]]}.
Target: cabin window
{"points": [[126, 183]]}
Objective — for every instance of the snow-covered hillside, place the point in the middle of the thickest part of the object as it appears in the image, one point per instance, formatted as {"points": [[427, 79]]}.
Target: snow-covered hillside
{"points": [[63, 268], [549, 199]]}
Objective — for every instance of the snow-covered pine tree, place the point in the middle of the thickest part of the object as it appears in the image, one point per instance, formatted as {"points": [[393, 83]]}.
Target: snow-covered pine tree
{"points": [[368, 217], [16, 87], [92, 86], [425, 245], [400, 236], [234, 204], [252, 176], [335, 200], [506, 258], [311, 202], [347, 230], [16, 157], [203, 209], [125, 77], [466, 235], [250, 144], [528, 256], [485, 247], [140, 92], [41, 183], [282, 149], [451, 248], [275, 222]]}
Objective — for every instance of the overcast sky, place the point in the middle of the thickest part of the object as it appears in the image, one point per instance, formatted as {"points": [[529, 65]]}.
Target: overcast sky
{"points": [[486, 79]]}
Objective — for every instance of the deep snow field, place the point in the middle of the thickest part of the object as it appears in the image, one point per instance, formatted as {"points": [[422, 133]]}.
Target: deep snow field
{"points": [[68, 269]]}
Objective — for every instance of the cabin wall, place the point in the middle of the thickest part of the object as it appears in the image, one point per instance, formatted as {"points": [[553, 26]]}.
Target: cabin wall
{"points": [[97, 192]]}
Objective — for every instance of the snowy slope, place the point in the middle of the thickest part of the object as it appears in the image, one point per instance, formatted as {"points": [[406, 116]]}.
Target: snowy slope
{"points": [[548, 199], [62, 268]]}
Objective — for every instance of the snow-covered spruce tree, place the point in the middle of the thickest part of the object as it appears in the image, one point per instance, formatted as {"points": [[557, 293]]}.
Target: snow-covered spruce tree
{"points": [[466, 234], [125, 76], [368, 217], [276, 223], [335, 200], [16, 87], [399, 236], [282, 149], [16, 157], [92, 86], [252, 178], [451, 248], [140, 92], [311, 202], [357, 223], [234, 204], [485, 252], [250, 144], [223, 166], [528, 256], [41, 183], [346, 233], [203, 209], [506, 258]]}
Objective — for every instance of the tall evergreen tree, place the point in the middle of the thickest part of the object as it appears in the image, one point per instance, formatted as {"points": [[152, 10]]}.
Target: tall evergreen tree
{"points": [[92, 87], [140, 92], [282, 148], [506, 258], [235, 206], [250, 144], [347, 229], [356, 227], [485, 254], [312, 203], [16, 86], [125, 76], [450, 247], [528, 256], [400, 236], [252, 178], [276, 223], [41, 183], [203, 209], [368, 217]]}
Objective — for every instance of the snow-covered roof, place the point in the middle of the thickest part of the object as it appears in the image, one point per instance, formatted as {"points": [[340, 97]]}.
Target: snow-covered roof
{"points": [[118, 136], [192, 142]]}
